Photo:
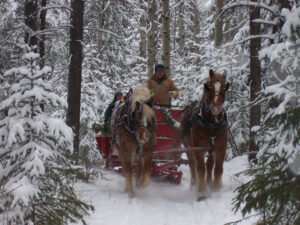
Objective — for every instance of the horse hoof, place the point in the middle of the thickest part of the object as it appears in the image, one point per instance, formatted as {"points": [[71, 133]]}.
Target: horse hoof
{"points": [[131, 195], [143, 183], [217, 186], [199, 199]]}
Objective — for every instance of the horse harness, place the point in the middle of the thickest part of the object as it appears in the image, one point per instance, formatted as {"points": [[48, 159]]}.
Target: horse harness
{"points": [[125, 118], [199, 117]]}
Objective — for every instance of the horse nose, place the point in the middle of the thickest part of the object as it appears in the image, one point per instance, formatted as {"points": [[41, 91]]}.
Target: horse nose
{"points": [[216, 110], [143, 136]]}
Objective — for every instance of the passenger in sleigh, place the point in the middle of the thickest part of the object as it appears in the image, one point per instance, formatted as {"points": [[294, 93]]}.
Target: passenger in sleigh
{"points": [[162, 86], [118, 98]]}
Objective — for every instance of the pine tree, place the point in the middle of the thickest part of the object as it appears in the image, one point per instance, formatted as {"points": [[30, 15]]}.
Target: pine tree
{"points": [[273, 190], [37, 175], [94, 92]]}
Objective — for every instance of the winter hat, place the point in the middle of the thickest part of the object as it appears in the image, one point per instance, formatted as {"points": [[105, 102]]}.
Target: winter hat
{"points": [[159, 67]]}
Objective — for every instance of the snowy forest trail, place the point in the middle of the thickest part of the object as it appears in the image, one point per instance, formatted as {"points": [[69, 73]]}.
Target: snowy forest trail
{"points": [[163, 203]]}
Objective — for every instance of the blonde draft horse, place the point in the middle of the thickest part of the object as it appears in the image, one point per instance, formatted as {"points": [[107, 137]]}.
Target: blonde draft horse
{"points": [[133, 129], [204, 124]]}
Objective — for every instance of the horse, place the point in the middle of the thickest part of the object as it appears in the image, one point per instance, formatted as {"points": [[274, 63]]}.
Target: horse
{"points": [[133, 133], [204, 125]]}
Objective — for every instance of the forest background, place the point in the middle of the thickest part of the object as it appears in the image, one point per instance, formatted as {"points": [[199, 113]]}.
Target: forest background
{"points": [[61, 62]]}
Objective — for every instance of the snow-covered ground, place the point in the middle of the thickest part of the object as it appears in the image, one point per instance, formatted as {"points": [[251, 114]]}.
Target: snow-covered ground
{"points": [[163, 203]]}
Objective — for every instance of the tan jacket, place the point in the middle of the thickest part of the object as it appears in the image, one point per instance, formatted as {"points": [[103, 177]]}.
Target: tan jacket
{"points": [[161, 91]]}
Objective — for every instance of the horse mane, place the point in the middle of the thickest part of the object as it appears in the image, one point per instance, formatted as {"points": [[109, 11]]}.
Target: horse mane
{"points": [[140, 94], [149, 112]]}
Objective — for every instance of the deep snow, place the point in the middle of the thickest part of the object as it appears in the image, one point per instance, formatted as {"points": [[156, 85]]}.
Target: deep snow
{"points": [[163, 203]]}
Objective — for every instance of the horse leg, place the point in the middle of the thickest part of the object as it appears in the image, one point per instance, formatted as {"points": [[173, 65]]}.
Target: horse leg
{"points": [[146, 167], [209, 168], [193, 167], [218, 171], [139, 168], [126, 161], [128, 179], [201, 177], [140, 176]]}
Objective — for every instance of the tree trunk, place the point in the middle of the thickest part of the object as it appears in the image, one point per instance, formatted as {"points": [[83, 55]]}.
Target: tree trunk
{"points": [[196, 34], [218, 24], [74, 85], [100, 25], [180, 31], [151, 37], [142, 31], [42, 28], [255, 79], [31, 10], [166, 35]]}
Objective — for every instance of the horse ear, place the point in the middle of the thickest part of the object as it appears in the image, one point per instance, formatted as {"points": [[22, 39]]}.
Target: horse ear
{"points": [[227, 86], [206, 87], [211, 73]]}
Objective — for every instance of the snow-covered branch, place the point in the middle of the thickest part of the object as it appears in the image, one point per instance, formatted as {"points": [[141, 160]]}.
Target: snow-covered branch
{"points": [[262, 36], [274, 23], [234, 4]]}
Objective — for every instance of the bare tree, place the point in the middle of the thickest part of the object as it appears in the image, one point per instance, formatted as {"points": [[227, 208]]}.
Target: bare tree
{"points": [[166, 35], [100, 24], [255, 79], [75, 68], [31, 11], [196, 33], [43, 27], [218, 37], [151, 37], [142, 30], [180, 30]]}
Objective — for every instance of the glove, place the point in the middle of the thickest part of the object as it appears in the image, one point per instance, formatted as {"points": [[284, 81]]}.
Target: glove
{"points": [[173, 94]]}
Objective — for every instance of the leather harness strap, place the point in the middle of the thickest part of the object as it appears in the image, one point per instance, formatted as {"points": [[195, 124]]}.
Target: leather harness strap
{"points": [[199, 117], [124, 118]]}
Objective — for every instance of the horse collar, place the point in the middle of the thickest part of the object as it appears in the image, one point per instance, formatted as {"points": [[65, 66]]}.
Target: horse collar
{"points": [[131, 126], [206, 124]]}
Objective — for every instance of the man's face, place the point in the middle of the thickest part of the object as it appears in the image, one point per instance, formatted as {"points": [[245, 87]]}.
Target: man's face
{"points": [[160, 73], [119, 97]]}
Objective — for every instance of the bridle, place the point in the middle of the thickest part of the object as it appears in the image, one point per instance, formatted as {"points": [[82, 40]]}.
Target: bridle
{"points": [[212, 96], [140, 128]]}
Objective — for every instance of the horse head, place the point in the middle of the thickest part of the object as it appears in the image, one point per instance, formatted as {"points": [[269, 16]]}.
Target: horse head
{"points": [[141, 113], [215, 88]]}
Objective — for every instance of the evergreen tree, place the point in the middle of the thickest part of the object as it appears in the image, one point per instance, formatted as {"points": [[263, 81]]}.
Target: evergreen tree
{"points": [[273, 190], [37, 175], [94, 95]]}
